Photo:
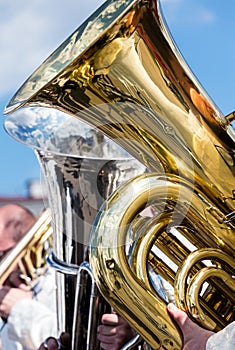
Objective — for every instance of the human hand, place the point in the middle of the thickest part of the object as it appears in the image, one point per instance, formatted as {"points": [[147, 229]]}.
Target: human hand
{"points": [[51, 343], [195, 337], [10, 295], [114, 332], [14, 280]]}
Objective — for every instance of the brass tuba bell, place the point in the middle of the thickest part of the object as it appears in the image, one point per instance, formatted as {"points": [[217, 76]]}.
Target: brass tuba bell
{"points": [[122, 73]]}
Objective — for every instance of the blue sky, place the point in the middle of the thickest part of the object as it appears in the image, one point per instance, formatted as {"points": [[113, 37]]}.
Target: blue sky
{"points": [[30, 30]]}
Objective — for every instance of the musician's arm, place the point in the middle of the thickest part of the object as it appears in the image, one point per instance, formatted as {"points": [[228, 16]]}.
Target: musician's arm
{"points": [[224, 339], [30, 322]]}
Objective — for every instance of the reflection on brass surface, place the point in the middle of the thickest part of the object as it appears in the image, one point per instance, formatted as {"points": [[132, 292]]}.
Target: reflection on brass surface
{"points": [[122, 73], [82, 168]]}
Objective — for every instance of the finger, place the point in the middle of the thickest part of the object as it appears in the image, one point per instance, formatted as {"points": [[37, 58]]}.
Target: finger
{"points": [[104, 338], [3, 292], [65, 340], [17, 282], [178, 315], [194, 336], [110, 319], [51, 343], [41, 347], [107, 330], [106, 346]]}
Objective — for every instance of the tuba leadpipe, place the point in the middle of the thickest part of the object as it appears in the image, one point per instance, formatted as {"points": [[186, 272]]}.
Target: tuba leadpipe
{"points": [[122, 73]]}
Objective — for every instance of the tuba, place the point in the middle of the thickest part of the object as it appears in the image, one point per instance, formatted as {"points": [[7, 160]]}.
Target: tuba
{"points": [[81, 168], [122, 73]]}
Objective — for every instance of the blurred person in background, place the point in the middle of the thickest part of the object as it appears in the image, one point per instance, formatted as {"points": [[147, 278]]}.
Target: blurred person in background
{"points": [[28, 313]]}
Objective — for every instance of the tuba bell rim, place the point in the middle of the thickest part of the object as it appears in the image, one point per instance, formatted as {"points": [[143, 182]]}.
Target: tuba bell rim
{"points": [[43, 117], [109, 12]]}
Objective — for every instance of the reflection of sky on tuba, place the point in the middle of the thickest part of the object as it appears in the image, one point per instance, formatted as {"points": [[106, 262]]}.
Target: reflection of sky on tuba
{"points": [[53, 131], [81, 166]]}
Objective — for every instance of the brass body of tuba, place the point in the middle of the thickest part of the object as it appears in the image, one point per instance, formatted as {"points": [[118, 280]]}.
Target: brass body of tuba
{"points": [[122, 73]]}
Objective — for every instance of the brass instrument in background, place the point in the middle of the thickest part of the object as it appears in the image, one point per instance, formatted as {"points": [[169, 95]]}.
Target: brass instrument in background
{"points": [[122, 73], [82, 168], [30, 253]]}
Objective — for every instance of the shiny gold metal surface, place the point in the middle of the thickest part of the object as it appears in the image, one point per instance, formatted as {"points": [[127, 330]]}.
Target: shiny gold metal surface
{"points": [[183, 209], [122, 73], [30, 252], [222, 269]]}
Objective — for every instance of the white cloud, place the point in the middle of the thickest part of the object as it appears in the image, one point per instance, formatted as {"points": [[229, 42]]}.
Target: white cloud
{"points": [[206, 16], [188, 13], [31, 30]]}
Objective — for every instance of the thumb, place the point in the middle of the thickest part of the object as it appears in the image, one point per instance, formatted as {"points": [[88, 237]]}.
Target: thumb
{"points": [[178, 315]]}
